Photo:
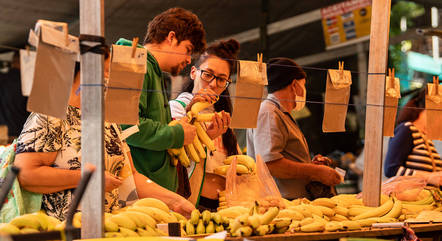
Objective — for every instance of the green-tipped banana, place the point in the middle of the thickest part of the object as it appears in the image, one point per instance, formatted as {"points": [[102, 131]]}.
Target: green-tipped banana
{"points": [[194, 217], [210, 228], [200, 228], [245, 160], [190, 229], [206, 216]]}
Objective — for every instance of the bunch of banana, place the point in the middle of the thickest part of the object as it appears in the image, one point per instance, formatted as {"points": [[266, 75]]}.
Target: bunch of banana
{"points": [[30, 223], [205, 223], [243, 161], [194, 151], [253, 223]]}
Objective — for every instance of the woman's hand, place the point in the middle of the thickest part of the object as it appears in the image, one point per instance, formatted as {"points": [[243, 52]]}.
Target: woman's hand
{"points": [[219, 125], [111, 182], [203, 95]]}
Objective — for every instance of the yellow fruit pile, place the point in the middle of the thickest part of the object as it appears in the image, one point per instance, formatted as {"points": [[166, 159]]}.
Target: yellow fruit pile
{"points": [[205, 223], [194, 151], [30, 223]]}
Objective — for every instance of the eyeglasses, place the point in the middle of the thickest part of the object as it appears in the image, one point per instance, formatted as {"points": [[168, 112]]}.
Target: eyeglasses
{"points": [[221, 82]]}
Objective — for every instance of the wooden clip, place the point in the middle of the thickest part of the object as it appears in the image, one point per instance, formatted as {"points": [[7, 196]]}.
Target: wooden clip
{"points": [[66, 33], [391, 77], [341, 68], [259, 60], [27, 50], [436, 85], [134, 46]]}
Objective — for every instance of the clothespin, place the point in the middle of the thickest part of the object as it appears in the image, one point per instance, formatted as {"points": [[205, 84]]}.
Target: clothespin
{"points": [[66, 33], [436, 85], [341, 68], [27, 50], [391, 77], [259, 57], [134, 46]]}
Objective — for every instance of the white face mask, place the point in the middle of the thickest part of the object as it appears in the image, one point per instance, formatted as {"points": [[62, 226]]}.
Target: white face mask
{"points": [[300, 100]]}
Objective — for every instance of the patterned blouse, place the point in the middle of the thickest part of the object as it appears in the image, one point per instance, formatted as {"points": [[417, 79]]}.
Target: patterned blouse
{"points": [[42, 133]]}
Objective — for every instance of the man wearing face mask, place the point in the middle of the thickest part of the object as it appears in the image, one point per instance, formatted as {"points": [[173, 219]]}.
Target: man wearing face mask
{"points": [[278, 138]]}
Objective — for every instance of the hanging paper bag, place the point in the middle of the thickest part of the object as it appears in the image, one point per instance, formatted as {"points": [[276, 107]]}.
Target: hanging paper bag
{"points": [[27, 66], [54, 71], [392, 95], [433, 105], [125, 84], [251, 78], [336, 100]]}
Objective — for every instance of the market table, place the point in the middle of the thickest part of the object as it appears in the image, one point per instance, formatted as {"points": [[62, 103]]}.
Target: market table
{"points": [[422, 230]]}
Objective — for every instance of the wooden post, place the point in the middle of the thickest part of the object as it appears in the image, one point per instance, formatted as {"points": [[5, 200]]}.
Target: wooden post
{"points": [[377, 64], [92, 149]]}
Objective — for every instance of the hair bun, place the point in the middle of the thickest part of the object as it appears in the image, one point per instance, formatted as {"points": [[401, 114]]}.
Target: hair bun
{"points": [[231, 46]]}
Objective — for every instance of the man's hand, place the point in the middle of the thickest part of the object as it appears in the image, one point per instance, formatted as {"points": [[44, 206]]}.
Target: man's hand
{"points": [[219, 125], [111, 182], [183, 206], [327, 175], [203, 95], [189, 131], [322, 160]]}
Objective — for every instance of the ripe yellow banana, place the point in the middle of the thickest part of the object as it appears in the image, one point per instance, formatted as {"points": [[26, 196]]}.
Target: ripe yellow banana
{"points": [[206, 217], [254, 221], [26, 221], [128, 232], [210, 228], [178, 216], [338, 218], [307, 221], [312, 209], [268, 216], [414, 209], [282, 222], [7, 228], [355, 211], [313, 227], [244, 231], [222, 170], [123, 221], [262, 230], [302, 210], [200, 228], [351, 225], [204, 138], [326, 202], [333, 226], [110, 226], [341, 210], [152, 202], [198, 107], [143, 219], [183, 158], [146, 232], [199, 148], [245, 160], [28, 230], [194, 216], [295, 226], [219, 228], [326, 211], [159, 215], [190, 150], [396, 210], [290, 213], [190, 228], [206, 117], [377, 212]]}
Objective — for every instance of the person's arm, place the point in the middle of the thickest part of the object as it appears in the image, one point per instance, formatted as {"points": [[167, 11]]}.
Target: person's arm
{"points": [[287, 169], [399, 147]]}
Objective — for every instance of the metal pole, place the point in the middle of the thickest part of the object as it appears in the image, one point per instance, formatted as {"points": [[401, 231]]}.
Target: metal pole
{"points": [[263, 34], [377, 64], [92, 149]]}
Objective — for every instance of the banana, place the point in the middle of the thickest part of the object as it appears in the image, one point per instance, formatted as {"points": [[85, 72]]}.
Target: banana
{"points": [[190, 149], [141, 209], [113, 235], [159, 215], [194, 216], [190, 229], [346, 200], [207, 117], [200, 228], [351, 225], [341, 210], [234, 225], [326, 211], [414, 209], [425, 201], [355, 211], [307, 221], [326, 218], [26, 221], [326, 202], [198, 107], [313, 227], [295, 226], [61, 226], [183, 158], [222, 170], [52, 223], [216, 217], [338, 218], [290, 213], [205, 139], [178, 216], [123, 221], [233, 212], [128, 232], [219, 228], [262, 230], [76, 221], [43, 219], [199, 148], [146, 233], [244, 231], [367, 222], [245, 160], [282, 222], [206, 216], [110, 226], [243, 219], [396, 210], [210, 228], [377, 212], [8, 228], [268, 216], [143, 219], [28, 230], [302, 210], [152, 202], [225, 221], [174, 160], [254, 221], [319, 219], [282, 230], [135, 218], [312, 209], [333, 226]]}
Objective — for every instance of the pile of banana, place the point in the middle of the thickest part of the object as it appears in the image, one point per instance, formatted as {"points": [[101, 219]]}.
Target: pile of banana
{"points": [[194, 151], [204, 223], [245, 165], [30, 223]]}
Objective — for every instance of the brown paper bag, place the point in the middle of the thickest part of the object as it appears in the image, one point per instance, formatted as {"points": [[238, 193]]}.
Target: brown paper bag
{"points": [[433, 105], [249, 90], [27, 66], [336, 100], [392, 95], [54, 72], [126, 76]]}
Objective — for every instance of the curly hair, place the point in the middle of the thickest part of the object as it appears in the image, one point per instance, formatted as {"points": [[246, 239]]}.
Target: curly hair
{"points": [[184, 23]]}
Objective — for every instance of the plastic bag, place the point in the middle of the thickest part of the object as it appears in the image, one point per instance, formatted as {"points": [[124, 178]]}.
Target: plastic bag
{"points": [[259, 186], [405, 188], [18, 201]]}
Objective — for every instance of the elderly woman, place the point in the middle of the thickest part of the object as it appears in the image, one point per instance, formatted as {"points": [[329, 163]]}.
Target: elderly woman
{"points": [[49, 155], [211, 77]]}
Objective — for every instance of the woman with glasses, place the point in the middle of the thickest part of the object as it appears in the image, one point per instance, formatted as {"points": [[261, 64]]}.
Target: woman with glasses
{"points": [[211, 77]]}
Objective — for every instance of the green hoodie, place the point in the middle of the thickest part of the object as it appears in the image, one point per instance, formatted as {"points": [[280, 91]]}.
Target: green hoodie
{"points": [[149, 145]]}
